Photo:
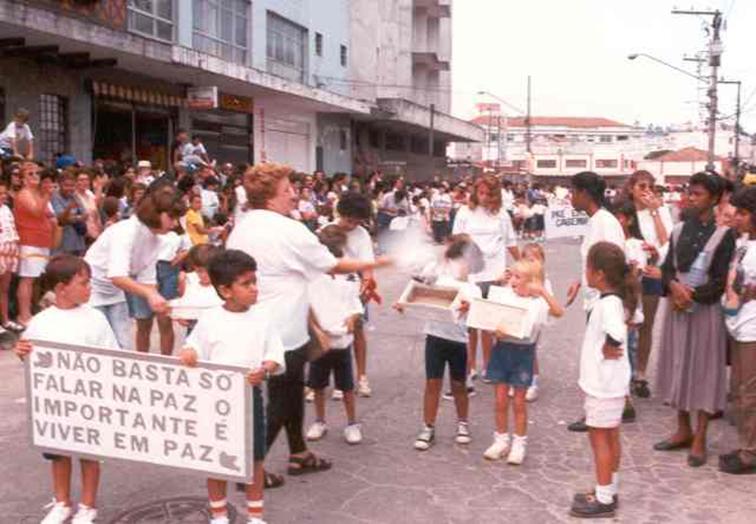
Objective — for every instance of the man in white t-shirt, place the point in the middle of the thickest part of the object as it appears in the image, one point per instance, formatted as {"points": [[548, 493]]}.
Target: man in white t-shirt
{"points": [[587, 195], [588, 190], [17, 139]]}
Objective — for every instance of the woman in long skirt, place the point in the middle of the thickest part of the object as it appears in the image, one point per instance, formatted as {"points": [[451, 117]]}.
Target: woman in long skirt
{"points": [[691, 374]]}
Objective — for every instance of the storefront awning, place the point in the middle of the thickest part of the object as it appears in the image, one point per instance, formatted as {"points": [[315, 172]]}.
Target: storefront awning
{"points": [[136, 95]]}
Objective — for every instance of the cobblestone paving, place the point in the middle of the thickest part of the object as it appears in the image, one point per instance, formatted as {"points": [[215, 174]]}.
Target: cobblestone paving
{"points": [[384, 480]]}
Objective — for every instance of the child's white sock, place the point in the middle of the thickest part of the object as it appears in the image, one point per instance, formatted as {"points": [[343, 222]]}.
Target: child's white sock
{"points": [[615, 483], [604, 494], [535, 381]]}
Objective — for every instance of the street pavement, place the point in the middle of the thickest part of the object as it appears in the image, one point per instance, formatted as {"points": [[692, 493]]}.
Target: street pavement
{"points": [[384, 480]]}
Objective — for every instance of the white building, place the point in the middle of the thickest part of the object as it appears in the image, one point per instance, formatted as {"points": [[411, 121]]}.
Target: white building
{"points": [[675, 167], [111, 79], [559, 146]]}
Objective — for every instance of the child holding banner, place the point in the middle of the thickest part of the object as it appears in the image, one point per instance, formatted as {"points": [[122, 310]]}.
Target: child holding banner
{"points": [[70, 320], [238, 334]]}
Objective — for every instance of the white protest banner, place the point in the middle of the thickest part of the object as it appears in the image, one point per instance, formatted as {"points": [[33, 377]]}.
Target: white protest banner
{"points": [[111, 404], [565, 221]]}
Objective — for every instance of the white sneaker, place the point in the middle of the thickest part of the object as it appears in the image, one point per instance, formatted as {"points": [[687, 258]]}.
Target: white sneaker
{"points": [[353, 434], [473, 374], [363, 387], [309, 395], [425, 438], [223, 519], [58, 514], [84, 515], [337, 395], [517, 453], [463, 433], [499, 448], [255, 520], [317, 431], [532, 394]]}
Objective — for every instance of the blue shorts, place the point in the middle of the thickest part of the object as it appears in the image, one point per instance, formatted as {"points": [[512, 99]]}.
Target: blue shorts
{"points": [[168, 280], [337, 360], [259, 424], [511, 364], [439, 352], [139, 308]]}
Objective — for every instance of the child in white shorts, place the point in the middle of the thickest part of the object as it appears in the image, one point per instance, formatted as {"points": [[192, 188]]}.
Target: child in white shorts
{"points": [[605, 373]]}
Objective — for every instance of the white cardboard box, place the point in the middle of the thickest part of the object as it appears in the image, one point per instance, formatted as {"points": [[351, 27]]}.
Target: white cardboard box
{"points": [[488, 315], [429, 302]]}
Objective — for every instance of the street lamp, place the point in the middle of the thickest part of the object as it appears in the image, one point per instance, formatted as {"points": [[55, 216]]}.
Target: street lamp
{"points": [[660, 61]]}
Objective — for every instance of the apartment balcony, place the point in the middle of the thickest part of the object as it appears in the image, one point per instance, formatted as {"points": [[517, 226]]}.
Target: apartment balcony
{"points": [[435, 8], [430, 59]]}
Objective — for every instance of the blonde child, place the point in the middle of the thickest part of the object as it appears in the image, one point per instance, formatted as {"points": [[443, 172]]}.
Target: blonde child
{"points": [[8, 258], [605, 373], [238, 333], [69, 320], [511, 363]]}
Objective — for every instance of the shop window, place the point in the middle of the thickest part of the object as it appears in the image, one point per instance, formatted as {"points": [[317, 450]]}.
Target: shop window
{"points": [[394, 141], [220, 28], [576, 163], [286, 48], [605, 139], [318, 44], [546, 164], [606, 164], [52, 134], [153, 18]]}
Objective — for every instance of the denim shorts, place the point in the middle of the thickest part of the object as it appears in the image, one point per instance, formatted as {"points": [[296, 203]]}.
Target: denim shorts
{"points": [[511, 364], [259, 424], [439, 352], [168, 279], [139, 308], [117, 316], [337, 360]]}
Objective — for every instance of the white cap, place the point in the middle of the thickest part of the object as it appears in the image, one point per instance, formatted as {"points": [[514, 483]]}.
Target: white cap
{"points": [[144, 164]]}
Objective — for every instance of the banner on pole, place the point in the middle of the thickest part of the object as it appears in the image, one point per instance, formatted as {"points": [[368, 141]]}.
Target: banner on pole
{"points": [[565, 221], [113, 404]]}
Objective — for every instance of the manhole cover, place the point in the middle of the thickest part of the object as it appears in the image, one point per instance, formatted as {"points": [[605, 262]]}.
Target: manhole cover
{"points": [[183, 510]]}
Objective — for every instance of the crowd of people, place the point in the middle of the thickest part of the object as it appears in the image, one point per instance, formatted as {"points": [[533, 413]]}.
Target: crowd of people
{"points": [[284, 264]]}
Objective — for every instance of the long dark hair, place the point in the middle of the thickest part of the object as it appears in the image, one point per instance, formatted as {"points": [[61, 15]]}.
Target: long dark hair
{"points": [[609, 258], [627, 209]]}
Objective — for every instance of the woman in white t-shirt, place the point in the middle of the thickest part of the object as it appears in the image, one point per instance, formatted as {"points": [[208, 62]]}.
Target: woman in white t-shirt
{"points": [[289, 256], [490, 227]]}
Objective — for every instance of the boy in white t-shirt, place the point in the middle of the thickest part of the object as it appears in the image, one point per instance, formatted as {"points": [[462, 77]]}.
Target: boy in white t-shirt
{"points": [[70, 320], [335, 309], [16, 135], [240, 334]]}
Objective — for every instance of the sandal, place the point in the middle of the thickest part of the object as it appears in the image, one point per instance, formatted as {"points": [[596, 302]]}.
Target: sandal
{"points": [[671, 445], [310, 463], [270, 481]]}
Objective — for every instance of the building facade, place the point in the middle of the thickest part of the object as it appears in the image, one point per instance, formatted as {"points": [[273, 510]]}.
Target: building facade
{"points": [[262, 80], [552, 147]]}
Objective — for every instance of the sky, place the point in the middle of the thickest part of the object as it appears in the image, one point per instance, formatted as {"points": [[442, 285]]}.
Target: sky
{"points": [[576, 53]]}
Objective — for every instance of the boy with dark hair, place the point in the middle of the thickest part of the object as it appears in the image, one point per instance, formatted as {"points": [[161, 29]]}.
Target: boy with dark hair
{"points": [[239, 334], [354, 210], [335, 309], [69, 320]]}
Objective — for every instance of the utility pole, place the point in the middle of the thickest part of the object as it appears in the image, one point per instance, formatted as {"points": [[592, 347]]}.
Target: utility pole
{"points": [[498, 142], [715, 54], [431, 138], [528, 135], [736, 153]]}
